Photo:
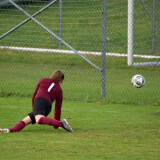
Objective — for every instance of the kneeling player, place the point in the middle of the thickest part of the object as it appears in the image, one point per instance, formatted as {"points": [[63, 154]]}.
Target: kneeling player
{"points": [[46, 92]]}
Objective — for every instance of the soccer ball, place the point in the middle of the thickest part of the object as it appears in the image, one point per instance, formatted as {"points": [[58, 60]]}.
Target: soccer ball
{"points": [[138, 81]]}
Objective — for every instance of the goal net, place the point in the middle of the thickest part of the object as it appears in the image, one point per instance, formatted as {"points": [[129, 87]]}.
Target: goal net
{"points": [[143, 33]]}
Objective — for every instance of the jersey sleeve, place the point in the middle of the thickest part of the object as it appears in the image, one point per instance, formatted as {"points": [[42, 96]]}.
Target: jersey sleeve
{"points": [[58, 105]]}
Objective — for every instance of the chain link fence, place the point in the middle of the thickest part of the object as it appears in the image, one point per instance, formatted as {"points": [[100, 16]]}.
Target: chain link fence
{"points": [[147, 36], [29, 52], [117, 72]]}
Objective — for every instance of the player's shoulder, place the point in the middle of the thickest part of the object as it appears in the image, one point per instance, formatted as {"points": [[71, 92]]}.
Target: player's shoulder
{"points": [[44, 80], [56, 84], [49, 82]]}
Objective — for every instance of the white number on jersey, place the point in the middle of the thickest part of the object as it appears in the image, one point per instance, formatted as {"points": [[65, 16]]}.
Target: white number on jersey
{"points": [[50, 87]]}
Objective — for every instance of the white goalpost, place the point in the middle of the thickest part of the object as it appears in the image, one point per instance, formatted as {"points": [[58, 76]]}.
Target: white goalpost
{"points": [[130, 31], [130, 50]]}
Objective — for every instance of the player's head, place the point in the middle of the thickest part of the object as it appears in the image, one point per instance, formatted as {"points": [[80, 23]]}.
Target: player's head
{"points": [[58, 76]]}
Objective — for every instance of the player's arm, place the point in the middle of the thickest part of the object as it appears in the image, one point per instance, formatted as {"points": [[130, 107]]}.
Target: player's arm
{"points": [[57, 112], [58, 106]]}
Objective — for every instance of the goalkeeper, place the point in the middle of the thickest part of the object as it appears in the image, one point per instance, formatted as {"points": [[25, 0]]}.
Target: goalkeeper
{"points": [[46, 92]]}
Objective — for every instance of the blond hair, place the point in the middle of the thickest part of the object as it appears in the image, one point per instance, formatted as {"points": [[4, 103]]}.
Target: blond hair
{"points": [[58, 76]]}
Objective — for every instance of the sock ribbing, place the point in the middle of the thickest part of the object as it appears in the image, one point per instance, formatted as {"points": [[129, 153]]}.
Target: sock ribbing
{"points": [[18, 127], [49, 121]]}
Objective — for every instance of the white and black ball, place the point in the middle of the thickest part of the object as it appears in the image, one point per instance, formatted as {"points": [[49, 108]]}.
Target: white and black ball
{"points": [[138, 81]]}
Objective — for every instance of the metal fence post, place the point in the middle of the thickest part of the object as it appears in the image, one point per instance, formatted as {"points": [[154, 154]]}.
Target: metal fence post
{"points": [[60, 22], [153, 27], [103, 71]]}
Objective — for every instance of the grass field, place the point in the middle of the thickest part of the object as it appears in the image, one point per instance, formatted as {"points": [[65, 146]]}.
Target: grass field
{"points": [[101, 131], [20, 72], [125, 125]]}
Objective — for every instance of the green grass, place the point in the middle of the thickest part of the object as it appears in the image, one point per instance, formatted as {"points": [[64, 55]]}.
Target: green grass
{"points": [[101, 131], [123, 126], [20, 72]]}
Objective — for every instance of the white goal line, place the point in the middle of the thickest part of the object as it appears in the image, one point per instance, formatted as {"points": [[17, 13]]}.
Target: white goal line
{"points": [[72, 52]]}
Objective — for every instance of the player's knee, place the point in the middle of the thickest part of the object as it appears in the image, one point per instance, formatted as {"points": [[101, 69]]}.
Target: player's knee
{"points": [[37, 120], [38, 117], [27, 120]]}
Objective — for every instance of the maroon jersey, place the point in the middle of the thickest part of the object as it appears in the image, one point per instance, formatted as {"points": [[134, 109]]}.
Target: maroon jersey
{"points": [[50, 90]]}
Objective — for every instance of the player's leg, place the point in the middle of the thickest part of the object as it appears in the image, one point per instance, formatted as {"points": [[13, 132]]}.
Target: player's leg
{"points": [[18, 127], [27, 120], [41, 109], [40, 119]]}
